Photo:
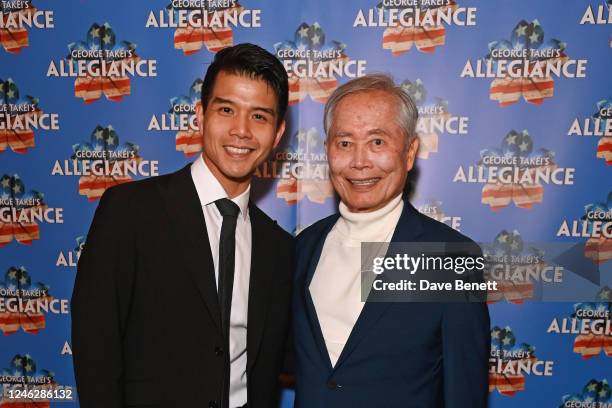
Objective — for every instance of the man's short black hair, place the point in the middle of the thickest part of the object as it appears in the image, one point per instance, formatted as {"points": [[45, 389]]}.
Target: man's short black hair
{"points": [[256, 63]]}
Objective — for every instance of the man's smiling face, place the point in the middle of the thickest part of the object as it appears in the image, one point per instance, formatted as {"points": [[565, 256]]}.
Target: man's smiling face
{"points": [[239, 127], [369, 154]]}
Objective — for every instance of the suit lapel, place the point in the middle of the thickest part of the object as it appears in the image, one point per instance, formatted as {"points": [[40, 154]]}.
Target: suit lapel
{"points": [[315, 327], [261, 281], [189, 229], [408, 228]]}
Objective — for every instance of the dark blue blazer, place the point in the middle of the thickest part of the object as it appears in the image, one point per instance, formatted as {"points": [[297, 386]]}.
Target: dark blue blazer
{"points": [[398, 354]]}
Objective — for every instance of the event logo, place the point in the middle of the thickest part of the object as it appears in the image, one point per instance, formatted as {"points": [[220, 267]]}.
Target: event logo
{"points": [[21, 211], [301, 168], [19, 116], [524, 66], [596, 225], [592, 323], [433, 209], [101, 65], [415, 22], [182, 118], [595, 394], [515, 172], [103, 162], [509, 362], [600, 125], [434, 118], [23, 375], [23, 304], [201, 23], [16, 16], [313, 63], [70, 258], [514, 266]]}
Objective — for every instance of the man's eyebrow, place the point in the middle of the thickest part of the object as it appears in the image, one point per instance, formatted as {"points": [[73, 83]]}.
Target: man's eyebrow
{"points": [[270, 111], [341, 133], [218, 99], [376, 131]]}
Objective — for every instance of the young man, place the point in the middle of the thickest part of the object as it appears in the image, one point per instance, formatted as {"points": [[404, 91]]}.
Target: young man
{"points": [[182, 293]]}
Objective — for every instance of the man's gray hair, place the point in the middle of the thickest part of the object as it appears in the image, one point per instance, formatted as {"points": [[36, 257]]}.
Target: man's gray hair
{"points": [[406, 108]]}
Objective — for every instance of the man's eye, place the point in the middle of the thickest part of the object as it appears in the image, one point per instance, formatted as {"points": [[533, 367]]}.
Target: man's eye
{"points": [[345, 143], [378, 142], [226, 109], [259, 116]]}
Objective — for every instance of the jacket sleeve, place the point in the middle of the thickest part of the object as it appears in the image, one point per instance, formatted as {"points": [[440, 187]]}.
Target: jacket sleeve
{"points": [[100, 304], [465, 344]]}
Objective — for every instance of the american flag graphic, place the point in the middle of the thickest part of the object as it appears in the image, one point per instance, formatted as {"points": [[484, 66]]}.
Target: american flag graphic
{"points": [[14, 39], [103, 141], [604, 146], [214, 36], [594, 394], [24, 366], [523, 194], [509, 253], [311, 38], [15, 280], [436, 112], [589, 345], [598, 249], [14, 196], [114, 87], [291, 189], [19, 138], [188, 141], [503, 342], [530, 37], [424, 36]]}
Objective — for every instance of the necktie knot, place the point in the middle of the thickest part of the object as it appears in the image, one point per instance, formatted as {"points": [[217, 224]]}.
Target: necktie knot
{"points": [[227, 207]]}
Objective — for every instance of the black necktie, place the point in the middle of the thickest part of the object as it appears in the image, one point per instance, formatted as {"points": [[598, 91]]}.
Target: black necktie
{"points": [[227, 250]]}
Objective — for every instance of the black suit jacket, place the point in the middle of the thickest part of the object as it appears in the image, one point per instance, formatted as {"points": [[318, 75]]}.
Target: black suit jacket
{"points": [[398, 355], [145, 315]]}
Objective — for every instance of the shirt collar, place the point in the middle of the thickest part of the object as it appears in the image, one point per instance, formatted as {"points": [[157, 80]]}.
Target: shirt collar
{"points": [[210, 190]]}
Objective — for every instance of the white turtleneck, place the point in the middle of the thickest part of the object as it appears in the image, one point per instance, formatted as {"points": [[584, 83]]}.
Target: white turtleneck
{"points": [[336, 285]]}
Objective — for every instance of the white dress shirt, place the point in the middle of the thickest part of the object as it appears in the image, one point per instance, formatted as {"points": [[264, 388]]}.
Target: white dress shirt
{"points": [[336, 285], [209, 190]]}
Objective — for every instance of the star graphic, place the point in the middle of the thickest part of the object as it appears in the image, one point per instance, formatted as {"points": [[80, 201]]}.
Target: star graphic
{"points": [[591, 387], [417, 95], [503, 238], [10, 93], [523, 146], [514, 245], [303, 32], [534, 37], [5, 183], [17, 188], [521, 31], [98, 134], [495, 334], [511, 139], [316, 38], [23, 280], [197, 87], [506, 340], [106, 39], [17, 362], [95, 32], [28, 367]]}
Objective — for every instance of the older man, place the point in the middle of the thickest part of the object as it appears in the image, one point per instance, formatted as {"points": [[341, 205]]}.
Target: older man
{"points": [[351, 353]]}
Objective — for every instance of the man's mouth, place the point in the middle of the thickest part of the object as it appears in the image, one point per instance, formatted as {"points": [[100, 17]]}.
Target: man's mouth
{"points": [[237, 151], [365, 182]]}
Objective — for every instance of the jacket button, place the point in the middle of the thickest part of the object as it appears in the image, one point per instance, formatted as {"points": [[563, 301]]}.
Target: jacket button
{"points": [[332, 385], [212, 404], [218, 351]]}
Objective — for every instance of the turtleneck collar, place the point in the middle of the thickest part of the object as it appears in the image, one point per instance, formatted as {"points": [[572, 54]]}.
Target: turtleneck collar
{"points": [[374, 226]]}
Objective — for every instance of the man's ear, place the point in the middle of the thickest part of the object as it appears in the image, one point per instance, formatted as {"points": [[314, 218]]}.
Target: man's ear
{"points": [[200, 117], [413, 149], [279, 133]]}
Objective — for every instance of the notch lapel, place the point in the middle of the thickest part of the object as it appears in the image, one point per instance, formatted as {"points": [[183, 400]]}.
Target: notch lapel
{"points": [[311, 312], [188, 226], [261, 281], [408, 227]]}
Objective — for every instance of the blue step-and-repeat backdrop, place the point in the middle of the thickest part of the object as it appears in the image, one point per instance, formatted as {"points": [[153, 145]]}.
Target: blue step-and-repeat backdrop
{"points": [[515, 102]]}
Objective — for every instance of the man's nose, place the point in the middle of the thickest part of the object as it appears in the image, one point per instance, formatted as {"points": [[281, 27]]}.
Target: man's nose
{"points": [[240, 126], [361, 158]]}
